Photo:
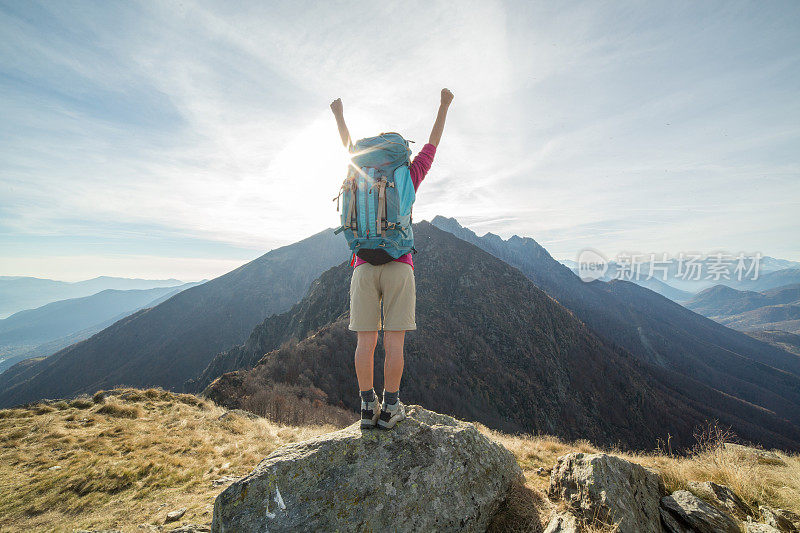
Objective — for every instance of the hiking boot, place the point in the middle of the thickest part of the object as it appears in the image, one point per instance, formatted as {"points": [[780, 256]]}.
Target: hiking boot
{"points": [[391, 415], [369, 414]]}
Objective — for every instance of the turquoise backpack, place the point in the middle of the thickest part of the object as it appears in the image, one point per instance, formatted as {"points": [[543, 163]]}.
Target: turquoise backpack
{"points": [[376, 199]]}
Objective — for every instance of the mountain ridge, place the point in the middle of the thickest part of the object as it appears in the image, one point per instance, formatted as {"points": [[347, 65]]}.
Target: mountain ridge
{"points": [[174, 341], [18, 293], [30, 332], [490, 346], [657, 330], [744, 310]]}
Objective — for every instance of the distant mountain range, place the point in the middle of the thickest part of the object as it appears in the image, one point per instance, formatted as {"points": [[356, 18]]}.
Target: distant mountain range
{"points": [[664, 289], [681, 287], [490, 347], [658, 331], [45, 330], [167, 344], [774, 309], [510, 337], [18, 293]]}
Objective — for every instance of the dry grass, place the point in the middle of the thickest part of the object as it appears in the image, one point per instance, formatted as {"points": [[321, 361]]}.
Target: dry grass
{"points": [[126, 457], [753, 480], [129, 456]]}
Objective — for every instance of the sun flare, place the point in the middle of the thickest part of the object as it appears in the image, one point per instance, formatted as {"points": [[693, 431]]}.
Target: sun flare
{"points": [[309, 170]]}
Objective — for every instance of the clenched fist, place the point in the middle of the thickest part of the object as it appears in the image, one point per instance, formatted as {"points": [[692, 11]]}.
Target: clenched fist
{"points": [[336, 106], [447, 97]]}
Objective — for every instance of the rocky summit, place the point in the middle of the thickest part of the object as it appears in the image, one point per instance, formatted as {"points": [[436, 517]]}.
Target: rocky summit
{"points": [[430, 473]]}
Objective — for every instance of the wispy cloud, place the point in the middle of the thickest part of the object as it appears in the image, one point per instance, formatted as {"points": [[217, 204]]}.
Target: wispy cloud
{"points": [[586, 124]]}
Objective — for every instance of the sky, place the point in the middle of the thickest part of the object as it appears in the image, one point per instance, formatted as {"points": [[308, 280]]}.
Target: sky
{"points": [[183, 139]]}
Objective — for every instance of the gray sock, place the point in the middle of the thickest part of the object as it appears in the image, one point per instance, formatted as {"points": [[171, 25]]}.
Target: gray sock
{"points": [[368, 395], [390, 398]]}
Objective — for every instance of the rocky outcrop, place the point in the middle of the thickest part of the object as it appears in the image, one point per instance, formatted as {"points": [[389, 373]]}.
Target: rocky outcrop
{"points": [[610, 489], [671, 524], [762, 456], [431, 472], [781, 519], [722, 497], [685, 512]]}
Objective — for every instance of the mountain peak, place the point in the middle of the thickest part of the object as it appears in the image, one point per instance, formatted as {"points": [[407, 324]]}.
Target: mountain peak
{"points": [[454, 226], [493, 237], [718, 290], [445, 223]]}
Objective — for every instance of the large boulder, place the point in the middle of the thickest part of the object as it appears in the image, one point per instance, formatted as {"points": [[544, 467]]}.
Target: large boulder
{"points": [[692, 514], [430, 473], [611, 489]]}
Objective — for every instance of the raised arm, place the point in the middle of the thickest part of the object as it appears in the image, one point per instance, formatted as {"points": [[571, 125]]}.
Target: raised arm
{"points": [[344, 133], [438, 126]]}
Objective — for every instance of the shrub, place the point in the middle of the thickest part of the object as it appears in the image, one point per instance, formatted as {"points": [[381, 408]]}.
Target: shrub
{"points": [[296, 406], [81, 403], [191, 399], [42, 408], [155, 393], [120, 411]]}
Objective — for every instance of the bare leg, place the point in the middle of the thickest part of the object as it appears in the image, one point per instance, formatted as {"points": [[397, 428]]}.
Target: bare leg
{"points": [[393, 364], [365, 362]]}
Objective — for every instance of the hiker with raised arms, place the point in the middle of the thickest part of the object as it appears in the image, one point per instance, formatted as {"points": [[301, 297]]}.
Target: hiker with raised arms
{"points": [[375, 201]]}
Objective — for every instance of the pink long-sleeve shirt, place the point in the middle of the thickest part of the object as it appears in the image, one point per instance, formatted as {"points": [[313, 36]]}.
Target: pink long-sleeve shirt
{"points": [[418, 168]]}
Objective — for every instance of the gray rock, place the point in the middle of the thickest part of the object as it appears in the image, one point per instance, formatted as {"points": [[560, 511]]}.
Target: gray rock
{"points": [[175, 515], [430, 473], [696, 515], [788, 515], [562, 523], [762, 456], [753, 527], [780, 519], [224, 480], [605, 487], [671, 525], [723, 497]]}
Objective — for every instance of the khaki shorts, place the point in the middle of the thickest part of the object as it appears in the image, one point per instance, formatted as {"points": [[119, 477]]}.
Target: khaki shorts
{"points": [[392, 284]]}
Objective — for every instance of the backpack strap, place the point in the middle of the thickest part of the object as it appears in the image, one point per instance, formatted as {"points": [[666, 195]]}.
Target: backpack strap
{"points": [[338, 196], [351, 213], [381, 205]]}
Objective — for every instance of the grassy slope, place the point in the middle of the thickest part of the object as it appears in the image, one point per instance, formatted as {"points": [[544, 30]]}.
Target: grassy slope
{"points": [[129, 456]]}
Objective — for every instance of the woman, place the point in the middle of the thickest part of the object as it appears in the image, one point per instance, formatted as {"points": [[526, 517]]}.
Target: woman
{"points": [[393, 284]]}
